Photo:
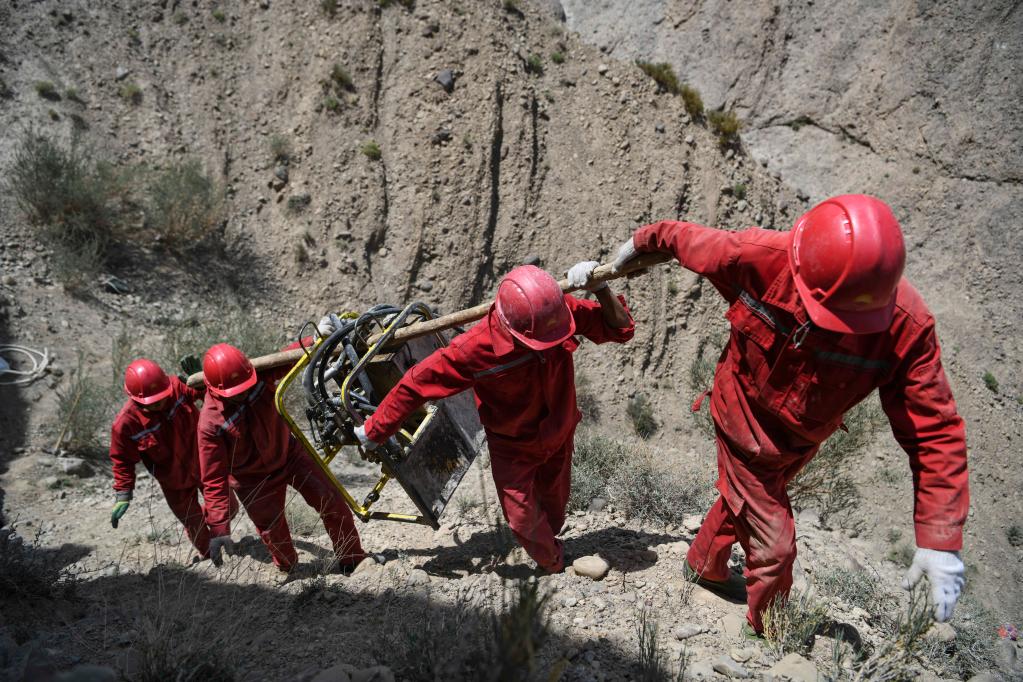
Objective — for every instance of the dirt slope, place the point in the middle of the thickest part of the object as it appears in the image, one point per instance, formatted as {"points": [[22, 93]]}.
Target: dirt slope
{"points": [[510, 165]]}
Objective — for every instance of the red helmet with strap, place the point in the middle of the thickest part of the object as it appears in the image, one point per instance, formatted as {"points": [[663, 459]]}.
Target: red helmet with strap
{"points": [[227, 371], [847, 257], [531, 306], [146, 383]]}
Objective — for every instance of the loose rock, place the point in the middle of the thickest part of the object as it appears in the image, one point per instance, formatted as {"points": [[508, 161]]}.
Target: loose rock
{"points": [[796, 668], [688, 630], [730, 668], [417, 577], [591, 566], [446, 78]]}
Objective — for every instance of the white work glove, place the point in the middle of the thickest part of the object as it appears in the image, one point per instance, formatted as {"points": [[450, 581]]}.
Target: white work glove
{"points": [[325, 326], [364, 441], [221, 543], [580, 273], [944, 571], [626, 252]]}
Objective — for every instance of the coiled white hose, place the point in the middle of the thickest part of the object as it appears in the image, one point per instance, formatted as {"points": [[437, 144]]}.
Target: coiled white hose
{"points": [[39, 360]]}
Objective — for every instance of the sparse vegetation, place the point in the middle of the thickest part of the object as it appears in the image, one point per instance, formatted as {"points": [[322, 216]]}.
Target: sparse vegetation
{"points": [[218, 14], [692, 101], [557, 57], [652, 661], [299, 253], [328, 7], [633, 482], [407, 4], [726, 126], [280, 148], [184, 205], [826, 482], [233, 324], [299, 202], [534, 65], [973, 649], [701, 377], [84, 409], [1015, 536], [641, 412], [991, 382], [585, 400], [31, 572], [791, 624], [341, 79], [739, 191], [332, 104], [47, 90], [855, 588], [900, 554], [512, 7], [72, 95], [180, 18], [303, 519], [372, 150], [663, 74], [130, 92]]}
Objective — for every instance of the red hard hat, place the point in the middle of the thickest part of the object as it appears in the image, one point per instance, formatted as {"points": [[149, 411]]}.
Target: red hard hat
{"points": [[847, 257], [226, 371], [531, 306], [146, 383]]}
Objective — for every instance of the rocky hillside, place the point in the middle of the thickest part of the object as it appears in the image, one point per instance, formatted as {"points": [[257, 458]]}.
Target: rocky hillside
{"points": [[373, 152]]}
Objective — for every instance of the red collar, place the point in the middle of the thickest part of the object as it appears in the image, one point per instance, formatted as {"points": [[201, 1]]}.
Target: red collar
{"points": [[782, 294], [500, 339]]}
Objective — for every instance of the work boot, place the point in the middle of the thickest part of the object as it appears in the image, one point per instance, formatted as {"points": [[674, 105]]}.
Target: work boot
{"points": [[732, 589], [750, 634]]}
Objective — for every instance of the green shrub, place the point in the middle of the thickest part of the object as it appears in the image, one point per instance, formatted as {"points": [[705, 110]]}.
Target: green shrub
{"points": [[585, 399], [512, 7], [641, 412], [407, 4], [595, 462], [973, 649], [791, 624], [991, 382], [219, 15], [557, 57], [341, 79], [692, 101], [180, 18], [856, 588], [299, 202], [131, 92], [726, 126], [47, 90], [739, 191], [72, 95], [332, 104], [372, 150], [328, 7], [900, 645], [184, 205], [280, 148], [663, 74], [1015, 536], [534, 65]]}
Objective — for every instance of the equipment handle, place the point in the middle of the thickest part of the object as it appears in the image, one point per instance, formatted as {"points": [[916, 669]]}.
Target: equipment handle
{"points": [[602, 273]]}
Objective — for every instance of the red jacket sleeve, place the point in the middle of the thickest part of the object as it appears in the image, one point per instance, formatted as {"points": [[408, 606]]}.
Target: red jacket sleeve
{"points": [[193, 394], [213, 467], [924, 419], [589, 321], [123, 456], [706, 251], [443, 374]]}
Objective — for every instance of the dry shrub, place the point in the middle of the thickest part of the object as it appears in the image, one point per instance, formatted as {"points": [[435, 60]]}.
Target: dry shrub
{"points": [[184, 205], [84, 409], [663, 74], [641, 412], [28, 572], [726, 126], [790, 624]]}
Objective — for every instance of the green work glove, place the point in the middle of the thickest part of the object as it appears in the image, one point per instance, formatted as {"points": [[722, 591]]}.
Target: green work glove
{"points": [[190, 364], [122, 498]]}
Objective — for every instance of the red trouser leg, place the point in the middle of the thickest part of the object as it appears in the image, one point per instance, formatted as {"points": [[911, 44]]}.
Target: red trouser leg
{"points": [[318, 492], [516, 477], [712, 548], [186, 506], [264, 503]]}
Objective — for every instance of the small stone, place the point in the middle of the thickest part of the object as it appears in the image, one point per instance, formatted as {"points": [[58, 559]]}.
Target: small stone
{"points": [[701, 670], [417, 577], [692, 523], [121, 73], [597, 504], [442, 135], [602, 69], [796, 668], [690, 140], [740, 655], [731, 624], [9, 280], [366, 567], [446, 78], [742, 205], [730, 668], [570, 601], [1005, 655], [659, 128], [75, 466], [337, 673], [687, 631], [281, 173], [942, 632], [594, 567], [531, 259]]}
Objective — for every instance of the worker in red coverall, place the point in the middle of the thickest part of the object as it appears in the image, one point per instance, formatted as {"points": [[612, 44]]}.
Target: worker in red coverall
{"points": [[245, 445], [820, 317], [157, 426], [518, 359]]}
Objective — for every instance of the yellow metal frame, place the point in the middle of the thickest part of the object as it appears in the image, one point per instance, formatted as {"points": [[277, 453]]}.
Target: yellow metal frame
{"points": [[324, 460]]}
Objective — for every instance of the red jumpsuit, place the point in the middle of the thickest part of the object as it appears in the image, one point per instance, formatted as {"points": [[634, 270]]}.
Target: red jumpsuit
{"points": [[165, 443], [782, 387], [246, 446], [526, 401]]}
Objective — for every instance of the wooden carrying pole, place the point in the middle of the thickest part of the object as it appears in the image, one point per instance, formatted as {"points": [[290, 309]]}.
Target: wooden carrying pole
{"points": [[602, 273]]}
